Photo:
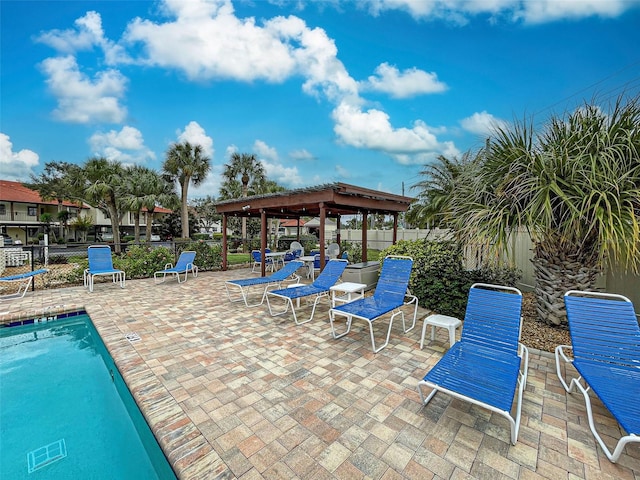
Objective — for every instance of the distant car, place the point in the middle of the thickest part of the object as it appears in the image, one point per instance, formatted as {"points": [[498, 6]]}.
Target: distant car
{"points": [[154, 238], [106, 237], [7, 239]]}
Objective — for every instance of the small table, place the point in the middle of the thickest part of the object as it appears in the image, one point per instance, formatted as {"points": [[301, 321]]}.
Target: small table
{"points": [[276, 257], [308, 261], [349, 289], [436, 320]]}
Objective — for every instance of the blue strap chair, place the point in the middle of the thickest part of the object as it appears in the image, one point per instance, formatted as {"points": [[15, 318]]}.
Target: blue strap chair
{"points": [[257, 260], [389, 296], [605, 340], [183, 265], [275, 279], [319, 289], [101, 264], [488, 364], [24, 281]]}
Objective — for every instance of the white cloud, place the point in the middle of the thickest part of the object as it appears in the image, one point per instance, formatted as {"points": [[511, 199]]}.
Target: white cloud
{"points": [[482, 123], [265, 151], [16, 166], [81, 99], [210, 185], [408, 83], [538, 11], [207, 41], [287, 176], [301, 154], [372, 129], [126, 146], [87, 35], [195, 135], [342, 172]]}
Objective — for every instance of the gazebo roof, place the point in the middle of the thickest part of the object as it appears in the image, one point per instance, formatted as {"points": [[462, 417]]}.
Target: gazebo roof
{"points": [[336, 198]]}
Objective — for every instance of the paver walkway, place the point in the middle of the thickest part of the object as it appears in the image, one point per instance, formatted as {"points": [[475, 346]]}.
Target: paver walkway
{"points": [[231, 392]]}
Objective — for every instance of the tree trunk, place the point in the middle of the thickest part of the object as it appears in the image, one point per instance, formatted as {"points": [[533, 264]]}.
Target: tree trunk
{"points": [[149, 224], [557, 271], [185, 210], [115, 226]]}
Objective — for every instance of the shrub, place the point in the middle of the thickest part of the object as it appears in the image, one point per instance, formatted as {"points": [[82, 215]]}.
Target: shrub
{"points": [[208, 257], [76, 274], [354, 250], [140, 261], [58, 259], [439, 279]]}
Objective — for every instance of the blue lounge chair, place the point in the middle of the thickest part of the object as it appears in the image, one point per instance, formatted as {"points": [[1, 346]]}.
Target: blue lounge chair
{"points": [[257, 260], [488, 364], [319, 288], [101, 264], [389, 296], [605, 340], [24, 281], [183, 265], [275, 279]]}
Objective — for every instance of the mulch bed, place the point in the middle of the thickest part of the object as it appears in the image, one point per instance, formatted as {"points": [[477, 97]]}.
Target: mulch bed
{"points": [[536, 333]]}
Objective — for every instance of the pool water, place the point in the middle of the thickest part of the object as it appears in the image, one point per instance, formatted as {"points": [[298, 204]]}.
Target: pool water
{"points": [[65, 412]]}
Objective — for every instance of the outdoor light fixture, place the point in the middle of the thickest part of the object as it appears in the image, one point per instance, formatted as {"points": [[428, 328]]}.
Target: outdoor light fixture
{"points": [[246, 207]]}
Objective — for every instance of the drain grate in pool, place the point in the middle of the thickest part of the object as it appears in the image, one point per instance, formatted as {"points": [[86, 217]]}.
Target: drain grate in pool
{"points": [[133, 337], [43, 456]]}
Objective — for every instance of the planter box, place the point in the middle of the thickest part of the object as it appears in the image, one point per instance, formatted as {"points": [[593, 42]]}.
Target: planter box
{"points": [[364, 272]]}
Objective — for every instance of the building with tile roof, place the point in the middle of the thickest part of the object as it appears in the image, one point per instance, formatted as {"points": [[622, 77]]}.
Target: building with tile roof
{"points": [[21, 210]]}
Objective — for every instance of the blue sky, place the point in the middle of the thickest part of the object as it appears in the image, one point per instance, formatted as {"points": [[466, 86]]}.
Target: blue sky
{"points": [[362, 92]]}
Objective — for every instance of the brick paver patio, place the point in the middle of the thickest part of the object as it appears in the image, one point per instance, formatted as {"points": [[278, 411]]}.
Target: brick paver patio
{"points": [[231, 392]]}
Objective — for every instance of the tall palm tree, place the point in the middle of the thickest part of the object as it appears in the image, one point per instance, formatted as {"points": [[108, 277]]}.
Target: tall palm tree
{"points": [[101, 184], [575, 188], [186, 164], [156, 191], [244, 175]]}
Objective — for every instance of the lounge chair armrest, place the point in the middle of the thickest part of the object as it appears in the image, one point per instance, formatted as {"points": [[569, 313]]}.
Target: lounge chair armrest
{"points": [[167, 266]]}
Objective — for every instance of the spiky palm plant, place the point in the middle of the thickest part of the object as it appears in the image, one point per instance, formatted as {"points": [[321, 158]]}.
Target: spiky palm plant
{"points": [[575, 188], [187, 164]]}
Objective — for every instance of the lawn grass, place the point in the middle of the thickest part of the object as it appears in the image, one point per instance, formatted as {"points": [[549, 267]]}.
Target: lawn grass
{"points": [[238, 258]]}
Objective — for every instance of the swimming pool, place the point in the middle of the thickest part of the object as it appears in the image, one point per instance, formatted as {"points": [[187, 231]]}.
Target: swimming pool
{"points": [[65, 411]]}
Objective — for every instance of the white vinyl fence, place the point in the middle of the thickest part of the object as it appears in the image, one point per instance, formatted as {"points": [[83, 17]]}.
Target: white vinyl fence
{"points": [[614, 280]]}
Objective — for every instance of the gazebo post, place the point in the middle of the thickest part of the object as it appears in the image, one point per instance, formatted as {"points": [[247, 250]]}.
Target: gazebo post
{"points": [[395, 228], [263, 242], [224, 242], [365, 221], [323, 218]]}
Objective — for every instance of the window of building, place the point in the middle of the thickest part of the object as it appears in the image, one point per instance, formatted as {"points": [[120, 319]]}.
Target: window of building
{"points": [[32, 211], [3, 209]]}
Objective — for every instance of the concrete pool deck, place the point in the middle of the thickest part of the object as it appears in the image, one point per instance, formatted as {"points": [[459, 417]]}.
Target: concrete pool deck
{"points": [[231, 392]]}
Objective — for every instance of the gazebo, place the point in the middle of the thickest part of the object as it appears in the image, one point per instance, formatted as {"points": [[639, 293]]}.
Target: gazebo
{"points": [[325, 201]]}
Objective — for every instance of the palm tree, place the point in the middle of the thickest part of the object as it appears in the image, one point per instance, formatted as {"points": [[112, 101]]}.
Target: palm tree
{"points": [[100, 182], [157, 191], [575, 188], [244, 175], [435, 190], [82, 224], [186, 164]]}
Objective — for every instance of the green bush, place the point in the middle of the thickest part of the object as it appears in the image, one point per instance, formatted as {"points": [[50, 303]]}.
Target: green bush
{"points": [[439, 279], [140, 261], [354, 250], [208, 257]]}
